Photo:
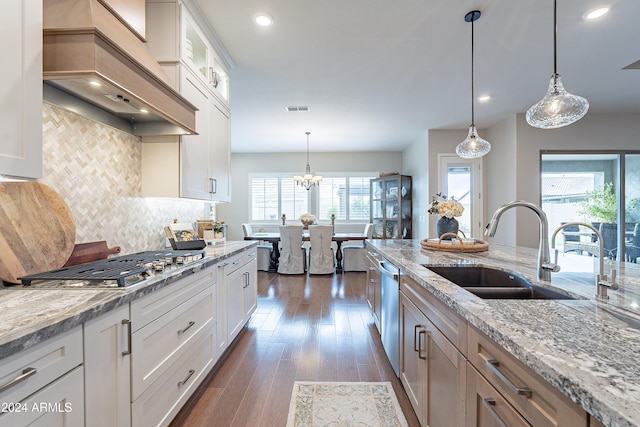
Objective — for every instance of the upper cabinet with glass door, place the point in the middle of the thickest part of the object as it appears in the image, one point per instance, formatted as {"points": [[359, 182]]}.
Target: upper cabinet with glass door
{"points": [[175, 39]]}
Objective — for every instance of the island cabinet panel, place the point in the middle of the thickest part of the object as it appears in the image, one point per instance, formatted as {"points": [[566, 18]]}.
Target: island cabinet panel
{"points": [[432, 369], [373, 288], [42, 371], [107, 363], [531, 396], [486, 407]]}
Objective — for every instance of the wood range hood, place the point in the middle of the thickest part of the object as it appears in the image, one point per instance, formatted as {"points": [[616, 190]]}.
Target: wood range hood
{"points": [[89, 51]]}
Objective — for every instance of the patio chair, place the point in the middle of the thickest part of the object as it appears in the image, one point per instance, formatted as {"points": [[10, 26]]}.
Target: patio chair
{"points": [[633, 247]]}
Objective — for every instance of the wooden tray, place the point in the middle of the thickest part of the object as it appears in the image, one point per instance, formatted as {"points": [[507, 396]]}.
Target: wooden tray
{"points": [[453, 245]]}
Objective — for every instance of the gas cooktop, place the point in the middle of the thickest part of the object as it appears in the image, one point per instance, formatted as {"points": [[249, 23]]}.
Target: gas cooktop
{"points": [[120, 272]]}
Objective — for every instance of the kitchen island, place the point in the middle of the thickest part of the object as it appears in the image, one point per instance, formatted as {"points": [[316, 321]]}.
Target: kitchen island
{"points": [[586, 349]]}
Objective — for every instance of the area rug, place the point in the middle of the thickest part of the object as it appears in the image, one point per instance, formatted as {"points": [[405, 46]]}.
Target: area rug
{"points": [[344, 404]]}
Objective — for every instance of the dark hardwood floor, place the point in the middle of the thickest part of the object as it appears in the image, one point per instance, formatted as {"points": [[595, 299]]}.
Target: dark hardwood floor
{"points": [[306, 328]]}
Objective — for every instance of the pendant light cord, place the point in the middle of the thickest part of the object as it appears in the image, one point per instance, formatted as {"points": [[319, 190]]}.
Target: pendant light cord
{"points": [[472, 87], [555, 37], [307, 149]]}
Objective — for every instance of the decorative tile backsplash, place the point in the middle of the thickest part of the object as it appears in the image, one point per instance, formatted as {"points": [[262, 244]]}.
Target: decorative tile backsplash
{"points": [[97, 171]]}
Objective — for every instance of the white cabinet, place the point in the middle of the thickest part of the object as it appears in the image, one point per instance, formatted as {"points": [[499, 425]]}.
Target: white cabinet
{"points": [[241, 290], [21, 89], [49, 373], [107, 352], [174, 348], [192, 166]]}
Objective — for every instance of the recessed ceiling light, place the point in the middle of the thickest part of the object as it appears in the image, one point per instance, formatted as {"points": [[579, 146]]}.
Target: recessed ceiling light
{"points": [[596, 13], [484, 98], [263, 20]]}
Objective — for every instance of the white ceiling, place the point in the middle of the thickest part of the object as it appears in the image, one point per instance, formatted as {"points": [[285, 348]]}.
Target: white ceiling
{"points": [[378, 73]]}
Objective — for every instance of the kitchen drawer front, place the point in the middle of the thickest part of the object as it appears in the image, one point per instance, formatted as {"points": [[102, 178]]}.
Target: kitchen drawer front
{"points": [[451, 325], [239, 261], [159, 344], [538, 402], [31, 369], [61, 403], [163, 399], [148, 308], [486, 407]]}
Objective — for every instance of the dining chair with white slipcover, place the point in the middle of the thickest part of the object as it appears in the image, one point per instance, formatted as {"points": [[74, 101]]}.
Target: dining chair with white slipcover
{"points": [[354, 257], [321, 259], [263, 251], [293, 257]]}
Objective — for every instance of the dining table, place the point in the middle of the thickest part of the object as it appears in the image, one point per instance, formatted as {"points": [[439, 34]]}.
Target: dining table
{"points": [[274, 239]]}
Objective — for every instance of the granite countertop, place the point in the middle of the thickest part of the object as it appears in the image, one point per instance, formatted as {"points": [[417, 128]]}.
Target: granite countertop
{"points": [[30, 316], [587, 349]]}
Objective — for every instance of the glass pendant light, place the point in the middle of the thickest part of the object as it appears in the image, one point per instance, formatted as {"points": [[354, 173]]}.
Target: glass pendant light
{"points": [[558, 108], [473, 146], [307, 180]]}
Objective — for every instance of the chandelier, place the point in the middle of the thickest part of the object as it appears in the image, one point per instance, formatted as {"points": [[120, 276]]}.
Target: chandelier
{"points": [[473, 146], [307, 180]]}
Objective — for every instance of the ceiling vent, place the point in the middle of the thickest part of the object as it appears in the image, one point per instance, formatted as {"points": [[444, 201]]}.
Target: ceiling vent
{"points": [[297, 108]]}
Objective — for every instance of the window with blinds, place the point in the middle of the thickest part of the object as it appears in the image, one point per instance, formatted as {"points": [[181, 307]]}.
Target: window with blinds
{"points": [[345, 196]]}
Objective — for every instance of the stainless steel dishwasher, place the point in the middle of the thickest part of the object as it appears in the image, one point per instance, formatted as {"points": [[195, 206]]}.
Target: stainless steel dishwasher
{"points": [[389, 323]]}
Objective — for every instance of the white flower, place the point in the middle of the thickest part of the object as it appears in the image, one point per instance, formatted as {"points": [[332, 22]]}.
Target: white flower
{"points": [[450, 208], [307, 217]]}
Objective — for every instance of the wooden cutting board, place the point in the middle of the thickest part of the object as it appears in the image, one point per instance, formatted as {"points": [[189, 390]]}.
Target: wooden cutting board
{"points": [[37, 231], [90, 251]]}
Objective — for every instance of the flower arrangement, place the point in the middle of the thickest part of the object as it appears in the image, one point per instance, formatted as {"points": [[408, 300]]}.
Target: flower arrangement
{"points": [[218, 226], [307, 218], [441, 205]]}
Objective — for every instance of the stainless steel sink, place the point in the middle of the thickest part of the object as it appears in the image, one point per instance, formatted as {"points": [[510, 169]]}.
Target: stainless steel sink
{"points": [[491, 283]]}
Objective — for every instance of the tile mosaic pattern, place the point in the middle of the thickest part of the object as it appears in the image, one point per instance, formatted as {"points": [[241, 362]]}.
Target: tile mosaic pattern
{"points": [[97, 171], [324, 404]]}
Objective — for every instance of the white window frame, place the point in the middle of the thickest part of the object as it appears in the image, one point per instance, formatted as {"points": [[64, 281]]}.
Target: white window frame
{"points": [[446, 160], [347, 175], [313, 201]]}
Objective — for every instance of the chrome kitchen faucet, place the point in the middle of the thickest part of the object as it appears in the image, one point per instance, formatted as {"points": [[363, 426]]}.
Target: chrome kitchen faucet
{"points": [[602, 282]]}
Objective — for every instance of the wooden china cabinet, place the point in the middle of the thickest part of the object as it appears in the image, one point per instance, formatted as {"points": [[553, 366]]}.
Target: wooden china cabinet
{"points": [[391, 208]]}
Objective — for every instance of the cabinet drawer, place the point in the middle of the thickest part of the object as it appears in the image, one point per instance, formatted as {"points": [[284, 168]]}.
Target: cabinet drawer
{"points": [[164, 398], [61, 403], [27, 371], [538, 402], [486, 407], [452, 326], [150, 307], [165, 340], [239, 261]]}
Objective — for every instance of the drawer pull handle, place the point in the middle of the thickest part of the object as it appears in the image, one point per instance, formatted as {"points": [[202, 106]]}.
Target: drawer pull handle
{"points": [[182, 331], [428, 339], [238, 261], [224, 264], [416, 345], [494, 365], [127, 322], [184, 381], [490, 404], [26, 373]]}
